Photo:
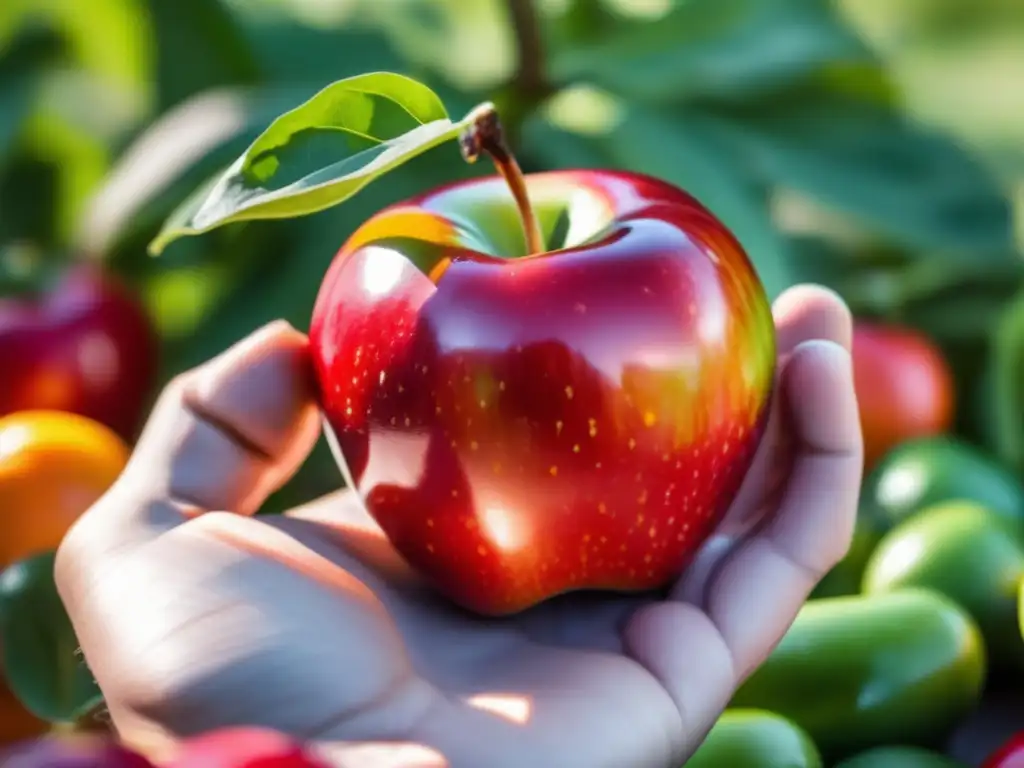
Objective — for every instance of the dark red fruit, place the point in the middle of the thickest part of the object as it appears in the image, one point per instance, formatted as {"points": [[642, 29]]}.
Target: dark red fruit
{"points": [[85, 346]]}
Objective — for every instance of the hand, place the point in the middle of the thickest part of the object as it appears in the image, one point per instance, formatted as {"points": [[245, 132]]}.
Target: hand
{"points": [[193, 614]]}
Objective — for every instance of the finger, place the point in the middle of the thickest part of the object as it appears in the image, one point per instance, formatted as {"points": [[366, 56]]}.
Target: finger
{"points": [[807, 312], [802, 313], [700, 656], [221, 437], [757, 590]]}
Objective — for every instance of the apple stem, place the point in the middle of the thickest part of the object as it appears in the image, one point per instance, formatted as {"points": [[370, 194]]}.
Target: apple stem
{"points": [[484, 134]]}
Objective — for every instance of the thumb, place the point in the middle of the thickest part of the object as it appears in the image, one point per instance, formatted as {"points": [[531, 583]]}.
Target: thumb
{"points": [[222, 436]]}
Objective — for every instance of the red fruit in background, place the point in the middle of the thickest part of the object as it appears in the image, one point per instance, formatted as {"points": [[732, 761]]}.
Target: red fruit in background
{"points": [[522, 426], [84, 346], [244, 748], [1010, 755], [72, 752], [904, 386]]}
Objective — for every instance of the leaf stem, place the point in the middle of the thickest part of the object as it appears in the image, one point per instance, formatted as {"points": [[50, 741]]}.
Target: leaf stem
{"points": [[483, 134]]}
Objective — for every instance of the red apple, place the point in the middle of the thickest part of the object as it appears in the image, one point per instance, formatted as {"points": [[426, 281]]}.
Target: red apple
{"points": [[904, 387], [244, 747], [526, 425], [85, 346]]}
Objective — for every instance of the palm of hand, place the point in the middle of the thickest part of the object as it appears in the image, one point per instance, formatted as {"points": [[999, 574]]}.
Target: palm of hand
{"points": [[311, 624]]}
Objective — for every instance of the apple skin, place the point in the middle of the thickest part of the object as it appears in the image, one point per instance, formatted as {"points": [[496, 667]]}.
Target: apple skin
{"points": [[85, 346], [524, 426]]}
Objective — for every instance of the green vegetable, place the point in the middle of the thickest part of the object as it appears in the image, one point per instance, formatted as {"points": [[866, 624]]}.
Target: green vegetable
{"points": [[751, 738], [921, 473], [967, 553], [913, 476], [859, 672], [900, 757]]}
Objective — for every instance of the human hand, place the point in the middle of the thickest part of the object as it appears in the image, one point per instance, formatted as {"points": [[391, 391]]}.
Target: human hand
{"points": [[192, 614]]}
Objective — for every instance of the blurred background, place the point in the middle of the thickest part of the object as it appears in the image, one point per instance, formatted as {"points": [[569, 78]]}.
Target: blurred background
{"points": [[874, 146]]}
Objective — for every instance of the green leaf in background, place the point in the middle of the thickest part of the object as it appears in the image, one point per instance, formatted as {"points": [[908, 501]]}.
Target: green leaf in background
{"points": [[199, 45], [719, 49], [328, 53], [41, 654], [896, 179], [320, 154], [107, 38], [22, 61], [684, 151], [15, 105]]}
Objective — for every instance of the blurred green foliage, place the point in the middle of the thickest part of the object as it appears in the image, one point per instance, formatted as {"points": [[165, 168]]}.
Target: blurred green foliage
{"points": [[819, 131]]}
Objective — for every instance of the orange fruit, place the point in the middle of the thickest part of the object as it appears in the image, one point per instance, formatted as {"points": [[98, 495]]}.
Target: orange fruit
{"points": [[53, 467]]}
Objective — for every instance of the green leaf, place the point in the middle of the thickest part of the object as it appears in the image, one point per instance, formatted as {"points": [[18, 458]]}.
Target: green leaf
{"points": [[714, 49], [320, 154], [894, 178], [15, 106], [684, 151], [22, 62], [41, 655], [108, 38]]}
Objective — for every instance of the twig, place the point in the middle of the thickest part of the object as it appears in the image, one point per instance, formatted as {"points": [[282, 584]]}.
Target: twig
{"points": [[530, 77]]}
